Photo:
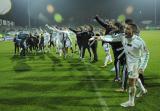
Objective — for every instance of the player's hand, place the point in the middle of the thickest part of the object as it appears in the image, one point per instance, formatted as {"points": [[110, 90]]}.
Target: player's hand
{"points": [[91, 39], [96, 17], [96, 37], [140, 71]]}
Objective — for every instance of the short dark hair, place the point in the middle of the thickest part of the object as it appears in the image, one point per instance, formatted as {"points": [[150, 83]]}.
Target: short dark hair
{"points": [[134, 27], [97, 34], [119, 26]]}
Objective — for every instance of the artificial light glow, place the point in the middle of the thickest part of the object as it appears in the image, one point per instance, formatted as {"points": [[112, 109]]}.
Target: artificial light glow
{"points": [[58, 18], [121, 18], [50, 8], [5, 6], [43, 18], [129, 10], [1, 35]]}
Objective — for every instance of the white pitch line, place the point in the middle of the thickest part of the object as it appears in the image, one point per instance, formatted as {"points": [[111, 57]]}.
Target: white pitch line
{"points": [[101, 100]]}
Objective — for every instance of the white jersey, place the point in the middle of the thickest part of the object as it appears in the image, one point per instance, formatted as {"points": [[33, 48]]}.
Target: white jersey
{"points": [[67, 37], [46, 38], [135, 48], [53, 36]]}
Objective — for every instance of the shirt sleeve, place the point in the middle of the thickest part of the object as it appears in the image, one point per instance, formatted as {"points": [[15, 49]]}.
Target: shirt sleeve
{"points": [[111, 38], [101, 22], [145, 56]]}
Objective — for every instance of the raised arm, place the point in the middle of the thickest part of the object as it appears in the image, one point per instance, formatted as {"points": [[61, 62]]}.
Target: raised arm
{"points": [[63, 31], [73, 30], [108, 38], [101, 22], [111, 38], [51, 28]]}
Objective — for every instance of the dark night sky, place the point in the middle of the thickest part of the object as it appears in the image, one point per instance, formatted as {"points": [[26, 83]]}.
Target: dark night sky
{"points": [[81, 11]]}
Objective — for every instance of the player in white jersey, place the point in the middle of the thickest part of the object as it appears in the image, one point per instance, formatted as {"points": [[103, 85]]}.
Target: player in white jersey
{"points": [[64, 40], [46, 41], [67, 39], [108, 58], [137, 58]]}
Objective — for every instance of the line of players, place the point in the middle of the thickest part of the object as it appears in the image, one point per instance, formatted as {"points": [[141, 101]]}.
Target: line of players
{"points": [[130, 52]]}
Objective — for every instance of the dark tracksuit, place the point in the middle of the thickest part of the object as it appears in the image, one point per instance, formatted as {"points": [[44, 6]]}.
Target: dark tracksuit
{"points": [[78, 36], [117, 61], [16, 45], [84, 43], [23, 51], [93, 46], [41, 44]]}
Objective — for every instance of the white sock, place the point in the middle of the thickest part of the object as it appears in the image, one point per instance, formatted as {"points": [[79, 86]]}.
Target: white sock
{"points": [[140, 85], [60, 52], [130, 91], [134, 93], [110, 57], [106, 60]]}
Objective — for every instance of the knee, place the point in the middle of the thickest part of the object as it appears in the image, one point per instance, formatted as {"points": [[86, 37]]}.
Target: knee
{"points": [[131, 82]]}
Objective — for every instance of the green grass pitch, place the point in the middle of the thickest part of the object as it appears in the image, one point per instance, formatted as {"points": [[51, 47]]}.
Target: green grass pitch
{"points": [[49, 83]]}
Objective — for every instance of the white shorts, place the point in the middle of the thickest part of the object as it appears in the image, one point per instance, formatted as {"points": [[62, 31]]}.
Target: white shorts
{"points": [[59, 45], [133, 70], [106, 47], [68, 44]]}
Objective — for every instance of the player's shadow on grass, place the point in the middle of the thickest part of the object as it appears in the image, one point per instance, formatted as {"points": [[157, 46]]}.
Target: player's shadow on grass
{"points": [[153, 77], [15, 58], [152, 81], [21, 65], [30, 87], [153, 84], [75, 83], [52, 103], [30, 57], [79, 66], [53, 58], [55, 61], [39, 56], [35, 101], [35, 57], [88, 83], [54, 78]]}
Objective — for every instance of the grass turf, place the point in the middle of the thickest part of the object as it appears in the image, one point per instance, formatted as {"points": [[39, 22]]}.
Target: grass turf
{"points": [[49, 83]]}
